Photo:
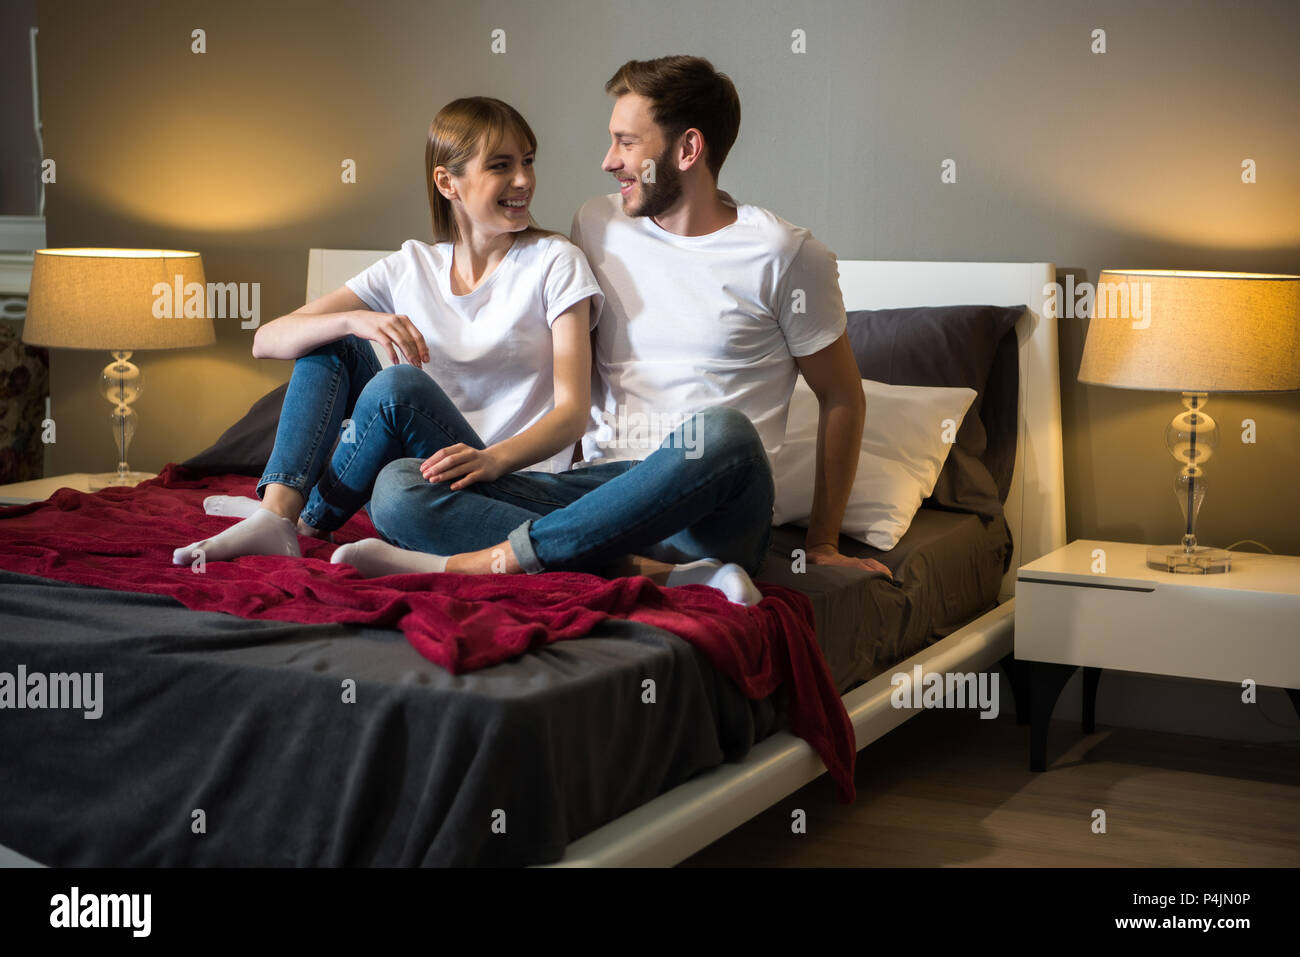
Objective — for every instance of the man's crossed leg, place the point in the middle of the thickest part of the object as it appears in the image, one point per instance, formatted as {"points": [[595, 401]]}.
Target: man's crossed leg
{"points": [[710, 498]]}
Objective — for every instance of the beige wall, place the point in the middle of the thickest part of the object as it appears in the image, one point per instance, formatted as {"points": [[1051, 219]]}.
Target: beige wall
{"points": [[1130, 158]]}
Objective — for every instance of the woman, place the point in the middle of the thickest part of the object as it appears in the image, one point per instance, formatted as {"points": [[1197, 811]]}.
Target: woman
{"points": [[488, 330]]}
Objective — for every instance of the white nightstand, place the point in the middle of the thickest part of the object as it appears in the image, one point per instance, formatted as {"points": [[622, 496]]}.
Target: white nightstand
{"points": [[38, 490], [1097, 605]]}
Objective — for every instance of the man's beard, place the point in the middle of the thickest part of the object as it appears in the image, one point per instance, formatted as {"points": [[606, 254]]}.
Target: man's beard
{"points": [[660, 196]]}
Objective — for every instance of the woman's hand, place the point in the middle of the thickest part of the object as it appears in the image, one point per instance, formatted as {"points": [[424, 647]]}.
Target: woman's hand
{"points": [[552, 434], [463, 463], [828, 554], [394, 332]]}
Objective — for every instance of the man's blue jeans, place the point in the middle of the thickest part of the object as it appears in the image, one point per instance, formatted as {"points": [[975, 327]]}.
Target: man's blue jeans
{"points": [[673, 506], [338, 390]]}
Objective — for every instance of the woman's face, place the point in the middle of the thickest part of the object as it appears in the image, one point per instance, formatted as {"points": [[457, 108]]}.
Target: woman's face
{"points": [[496, 191]]}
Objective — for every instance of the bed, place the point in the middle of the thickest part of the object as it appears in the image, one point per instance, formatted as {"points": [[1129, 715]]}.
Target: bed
{"points": [[658, 786]]}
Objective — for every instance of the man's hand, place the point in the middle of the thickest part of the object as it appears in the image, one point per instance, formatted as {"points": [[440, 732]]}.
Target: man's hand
{"points": [[462, 462], [828, 554]]}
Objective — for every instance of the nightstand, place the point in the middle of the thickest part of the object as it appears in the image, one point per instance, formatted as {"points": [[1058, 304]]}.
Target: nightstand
{"points": [[38, 490], [1096, 605]]}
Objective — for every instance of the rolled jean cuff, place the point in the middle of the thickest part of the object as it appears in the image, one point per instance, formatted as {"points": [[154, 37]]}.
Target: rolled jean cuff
{"points": [[522, 545], [318, 522], [296, 482]]}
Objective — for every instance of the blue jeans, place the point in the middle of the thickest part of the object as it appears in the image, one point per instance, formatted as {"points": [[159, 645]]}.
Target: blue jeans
{"points": [[338, 390], [673, 506]]}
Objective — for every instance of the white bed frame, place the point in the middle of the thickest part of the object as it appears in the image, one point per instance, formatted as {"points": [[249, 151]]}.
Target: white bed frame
{"points": [[693, 815]]}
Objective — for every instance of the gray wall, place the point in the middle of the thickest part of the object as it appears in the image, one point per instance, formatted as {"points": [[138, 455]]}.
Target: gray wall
{"points": [[19, 156], [1131, 158]]}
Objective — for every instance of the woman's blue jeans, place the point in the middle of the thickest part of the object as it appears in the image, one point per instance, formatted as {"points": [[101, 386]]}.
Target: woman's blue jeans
{"points": [[339, 390], [675, 506]]}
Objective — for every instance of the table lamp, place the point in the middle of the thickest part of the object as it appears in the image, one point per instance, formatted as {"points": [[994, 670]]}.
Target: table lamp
{"points": [[119, 300], [1194, 333]]}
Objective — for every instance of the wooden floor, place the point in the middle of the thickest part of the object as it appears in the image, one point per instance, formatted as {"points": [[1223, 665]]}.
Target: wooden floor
{"points": [[947, 789]]}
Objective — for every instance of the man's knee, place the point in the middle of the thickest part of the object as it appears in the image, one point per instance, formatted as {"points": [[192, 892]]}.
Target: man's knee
{"points": [[722, 432]]}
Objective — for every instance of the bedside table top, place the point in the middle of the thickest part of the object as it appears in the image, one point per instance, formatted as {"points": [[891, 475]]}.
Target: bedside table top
{"points": [[1125, 564], [38, 490]]}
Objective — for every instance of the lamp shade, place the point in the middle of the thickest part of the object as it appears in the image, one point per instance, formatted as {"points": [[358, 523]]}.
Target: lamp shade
{"points": [[117, 299], [1185, 331]]}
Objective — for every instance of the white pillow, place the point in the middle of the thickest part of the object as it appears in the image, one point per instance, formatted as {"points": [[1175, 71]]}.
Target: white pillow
{"points": [[908, 433]]}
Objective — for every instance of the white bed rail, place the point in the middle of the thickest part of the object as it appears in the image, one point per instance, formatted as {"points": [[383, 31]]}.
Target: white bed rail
{"points": [[691, 816]]}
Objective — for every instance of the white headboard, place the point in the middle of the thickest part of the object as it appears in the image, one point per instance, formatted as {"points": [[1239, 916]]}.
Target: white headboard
{"points": [[1035, 506], [327, 269]]}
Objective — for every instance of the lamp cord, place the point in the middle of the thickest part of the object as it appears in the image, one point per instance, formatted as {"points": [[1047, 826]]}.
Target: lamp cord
{"points": [[1250, 541]]}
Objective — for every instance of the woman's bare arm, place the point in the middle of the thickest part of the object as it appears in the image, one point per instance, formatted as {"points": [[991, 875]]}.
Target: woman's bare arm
{"points": [[335, 315]]}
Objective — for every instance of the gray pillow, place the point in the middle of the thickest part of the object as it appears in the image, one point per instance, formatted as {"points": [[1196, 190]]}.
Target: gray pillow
{"points": [[972, 346]]}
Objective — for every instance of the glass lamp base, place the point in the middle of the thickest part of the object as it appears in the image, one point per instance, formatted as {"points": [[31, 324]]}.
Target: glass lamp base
{"points": [[114, 479], [1201, 560]]}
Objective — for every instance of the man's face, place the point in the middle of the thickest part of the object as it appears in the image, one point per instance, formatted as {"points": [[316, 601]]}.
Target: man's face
{"points": [[641, 159]]}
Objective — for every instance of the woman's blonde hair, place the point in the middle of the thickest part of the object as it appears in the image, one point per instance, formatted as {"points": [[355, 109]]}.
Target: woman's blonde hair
{"points": [[455, 137]]}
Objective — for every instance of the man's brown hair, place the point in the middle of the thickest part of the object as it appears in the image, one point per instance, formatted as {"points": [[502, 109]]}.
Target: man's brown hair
{"points": [[685, 92]]}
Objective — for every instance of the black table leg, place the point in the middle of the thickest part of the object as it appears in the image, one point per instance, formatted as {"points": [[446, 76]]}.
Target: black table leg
{"points": [[1091, 676], [1294, 694], [1017, 673], [1046, 681]]}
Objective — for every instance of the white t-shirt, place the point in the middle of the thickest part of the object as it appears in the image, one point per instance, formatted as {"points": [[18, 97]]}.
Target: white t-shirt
{"points": [[490, 350], [691, 322]]}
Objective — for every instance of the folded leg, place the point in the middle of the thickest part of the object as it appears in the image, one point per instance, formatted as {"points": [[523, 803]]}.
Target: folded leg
{"points": [[413, 513], [706, 492], [400, 413]]}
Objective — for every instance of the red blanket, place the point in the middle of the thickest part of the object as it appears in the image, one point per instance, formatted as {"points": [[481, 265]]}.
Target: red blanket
{"points": [[122, 538]]}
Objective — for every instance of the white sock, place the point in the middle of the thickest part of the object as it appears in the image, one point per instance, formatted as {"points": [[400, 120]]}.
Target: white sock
{"points": [[232, 506], [729, 579], [374, 557], [262, 533], [241, 506]]}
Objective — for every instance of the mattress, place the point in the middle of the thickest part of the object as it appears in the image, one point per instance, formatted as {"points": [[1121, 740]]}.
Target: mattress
{"points": [[226, 741], [947, 569]]}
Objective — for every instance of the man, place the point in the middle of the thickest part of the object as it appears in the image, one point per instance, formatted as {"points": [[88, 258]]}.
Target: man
{"points": [[712, 309]]}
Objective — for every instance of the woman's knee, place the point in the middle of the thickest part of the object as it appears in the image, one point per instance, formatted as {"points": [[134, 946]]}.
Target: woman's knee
{"points": [[399, 377], [406, 384], [394, 483], [335, 348]]}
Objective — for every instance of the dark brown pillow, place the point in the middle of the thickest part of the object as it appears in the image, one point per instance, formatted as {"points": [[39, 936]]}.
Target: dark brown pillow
{"points": [[245, 447], [971, 346]]}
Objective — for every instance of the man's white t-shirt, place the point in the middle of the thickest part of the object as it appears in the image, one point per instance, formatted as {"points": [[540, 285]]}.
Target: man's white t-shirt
{"points": [[691, 322], [490, 350]]}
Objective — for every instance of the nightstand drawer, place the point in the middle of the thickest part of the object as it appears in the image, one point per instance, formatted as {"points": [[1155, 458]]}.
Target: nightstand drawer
{"points": [[1168, 628]]}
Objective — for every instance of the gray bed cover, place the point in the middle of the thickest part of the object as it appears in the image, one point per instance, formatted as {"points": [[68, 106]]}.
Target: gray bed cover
{"points": [[248, 722]]}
